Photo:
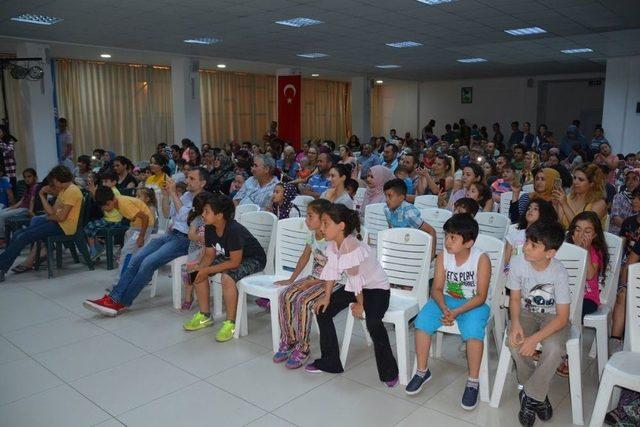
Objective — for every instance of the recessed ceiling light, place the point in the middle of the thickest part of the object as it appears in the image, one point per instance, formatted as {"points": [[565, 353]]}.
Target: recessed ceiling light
{"points": [[203, 40], [315, 75], [312, 55], [105, 55], [299, 22], [471, 60], [379, 82], [525, 31], [433, 2], [387, 66], [407, 43], [31, 18], [580, 50], [221, 66]]}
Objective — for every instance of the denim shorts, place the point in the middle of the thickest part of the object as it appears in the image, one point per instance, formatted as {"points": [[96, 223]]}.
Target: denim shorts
{"points": [[247, 267], [471, 323]]}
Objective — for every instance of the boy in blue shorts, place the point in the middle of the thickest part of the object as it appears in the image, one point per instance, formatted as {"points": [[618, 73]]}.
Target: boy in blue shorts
{"points": [[460, 288], [400, 213]]}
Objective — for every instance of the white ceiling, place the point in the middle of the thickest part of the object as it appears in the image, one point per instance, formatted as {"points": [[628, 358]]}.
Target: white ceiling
{"points": [[354, 34]]}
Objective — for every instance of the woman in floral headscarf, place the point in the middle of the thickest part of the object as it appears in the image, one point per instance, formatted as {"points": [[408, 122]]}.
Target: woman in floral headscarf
{"points": [[282, 200], [544, 180], [376, 178]]}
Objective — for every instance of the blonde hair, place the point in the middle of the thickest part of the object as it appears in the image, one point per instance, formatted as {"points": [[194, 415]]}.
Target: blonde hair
{"points": [[596, 177]]}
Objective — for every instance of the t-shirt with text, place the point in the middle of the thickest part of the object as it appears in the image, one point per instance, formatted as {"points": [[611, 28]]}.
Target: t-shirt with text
{"points": [[234, 237]]}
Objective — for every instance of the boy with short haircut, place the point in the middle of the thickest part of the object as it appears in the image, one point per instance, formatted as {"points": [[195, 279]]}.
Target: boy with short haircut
{"points": [[111, 217], [460, 288], [539, 307], [402, 172], [466, 205], [400, 213]]}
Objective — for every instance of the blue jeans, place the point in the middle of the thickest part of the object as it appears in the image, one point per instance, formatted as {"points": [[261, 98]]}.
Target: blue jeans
{"points": [[139, 272], [39, 229]]}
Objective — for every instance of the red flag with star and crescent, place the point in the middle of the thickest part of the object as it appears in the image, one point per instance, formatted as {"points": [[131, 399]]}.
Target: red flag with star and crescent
{"points": [[289, 109]]}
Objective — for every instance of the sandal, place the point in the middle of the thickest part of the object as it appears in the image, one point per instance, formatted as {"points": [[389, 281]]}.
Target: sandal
{"points": [[563, 369], [21, 269]]}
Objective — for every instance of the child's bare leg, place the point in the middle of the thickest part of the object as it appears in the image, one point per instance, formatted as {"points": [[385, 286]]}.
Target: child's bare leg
{"points": [[474, 356], [188, 292], [230, 295], [202, 290], [423, 343], [619, 312]]}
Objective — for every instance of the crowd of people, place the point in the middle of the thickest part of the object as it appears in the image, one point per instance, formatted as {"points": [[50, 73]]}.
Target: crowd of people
{"points": [[576, 187]]}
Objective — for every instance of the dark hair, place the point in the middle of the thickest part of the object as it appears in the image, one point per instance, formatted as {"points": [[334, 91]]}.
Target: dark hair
{"points": [[151, 195], [397, 185], [394, 147], [598, 242], [635, 193], [319, 206], [222, 204], [204, 173], [62, 120], [61, 174], [477, 170], [549, 234], [85, 160], [518, 146], [159, 159], [103, 195], [416, 158], [100, 151], [484, 191], [197, 206], [128, 164], [546, 210], [109, 174], [508, 164], [462, 224], [343, 170], [446, 159], [340, 213], [351, 184], [32, 171], [401, 168], [515, 122], [468, 204]]}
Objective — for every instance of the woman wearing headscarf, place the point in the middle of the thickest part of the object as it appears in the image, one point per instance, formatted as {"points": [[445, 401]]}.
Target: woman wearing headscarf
{"points": [[531, 163], [107, 162], [376, 178], [222, 174], [543, 184], [282, 200]]}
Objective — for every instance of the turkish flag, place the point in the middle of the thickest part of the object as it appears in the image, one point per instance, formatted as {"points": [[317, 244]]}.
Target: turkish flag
{"points": [[289, 113]]}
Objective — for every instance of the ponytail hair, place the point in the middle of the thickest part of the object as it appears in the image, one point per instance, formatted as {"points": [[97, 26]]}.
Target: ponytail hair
{"points": [[340, 213], [222, 204], [197, 206]]}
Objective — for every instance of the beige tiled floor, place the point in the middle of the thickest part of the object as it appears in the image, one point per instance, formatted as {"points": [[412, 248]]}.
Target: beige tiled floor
{"points": [[61, 365]]}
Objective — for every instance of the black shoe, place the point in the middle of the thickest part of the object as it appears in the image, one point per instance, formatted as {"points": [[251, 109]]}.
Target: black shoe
{"points": [[416, 383], [543, 410], [2, 279], [527, 414]]}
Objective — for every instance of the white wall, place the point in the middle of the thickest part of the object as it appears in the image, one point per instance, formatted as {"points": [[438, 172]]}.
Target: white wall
{"points": [[399, 105], [622, 92]]}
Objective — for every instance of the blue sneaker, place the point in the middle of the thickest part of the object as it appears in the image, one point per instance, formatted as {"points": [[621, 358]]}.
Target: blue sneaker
{"points": [[470, 396], [283, 353], [416, 383]]}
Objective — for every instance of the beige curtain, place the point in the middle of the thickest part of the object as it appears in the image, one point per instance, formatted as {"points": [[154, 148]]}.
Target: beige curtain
{"points": [[326, 110], [16, 119], [376, 111], [119, 107], [236, 106]]}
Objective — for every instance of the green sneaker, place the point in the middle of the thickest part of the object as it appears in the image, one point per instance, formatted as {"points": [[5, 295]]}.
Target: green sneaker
{"points": [[198, 321], [226, 331]]}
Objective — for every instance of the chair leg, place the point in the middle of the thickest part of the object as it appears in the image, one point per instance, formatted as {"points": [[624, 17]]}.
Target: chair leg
{"points": [[346, 339], [58, 255], [81, 244], [439, 337], [504, 366], [109, 250], [575, 380], [275, 323], [36, 263], [602, 349], [242, 305], [402, 352], [74, 253], [50, 255], [498, 328], [217, 299], [484, 371], [176, 289], [602, 401]]}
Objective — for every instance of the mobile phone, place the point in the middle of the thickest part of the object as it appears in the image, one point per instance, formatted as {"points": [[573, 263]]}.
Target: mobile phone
{"points": [[441, 184], [557, 184]]}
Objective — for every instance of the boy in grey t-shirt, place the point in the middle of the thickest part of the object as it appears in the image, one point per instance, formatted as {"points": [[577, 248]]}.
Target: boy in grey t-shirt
{"points": [[539, 308]]}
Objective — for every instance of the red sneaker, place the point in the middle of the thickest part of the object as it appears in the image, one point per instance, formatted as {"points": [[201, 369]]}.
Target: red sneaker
{"points": [[105, 306]]}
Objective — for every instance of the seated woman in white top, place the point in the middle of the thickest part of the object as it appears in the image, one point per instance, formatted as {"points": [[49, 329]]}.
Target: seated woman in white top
{"points": [[337, 193]]}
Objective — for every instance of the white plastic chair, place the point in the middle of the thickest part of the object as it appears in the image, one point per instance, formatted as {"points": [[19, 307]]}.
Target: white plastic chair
{"points": [[436, 218], [623, 368], [601, 318], [505, 202], [359, 198], [243, 209], [302, 202], [574, 260], [404, 254], [291, 236], [493, 224], [494, 248], [425, 202], [374, 220], [606, 223]]}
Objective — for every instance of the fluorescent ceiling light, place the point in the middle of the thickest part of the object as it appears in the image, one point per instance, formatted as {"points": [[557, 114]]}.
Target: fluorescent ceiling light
{"points": [[312, 55], [471, 60], [580, 50], [525, 31], [379, 82], [31, 18], [433, 2], [105, 55], [221, 66], [203, 40], [387, 66], [315, 75], [299, 22], [407, 43]]}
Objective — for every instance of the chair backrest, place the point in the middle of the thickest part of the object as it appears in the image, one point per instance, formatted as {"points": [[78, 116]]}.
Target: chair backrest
{"points": [[632, 329], [374, 220], [131, 192], [574, 259], [243, 209], [493, 224], [83, 219], [291, 239], [301, 202], [359, 198], [405, 255], [505, 202], [436, 218], [425, 202], [606, 222], [263, 225], [615, 247], [494, 248]]}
